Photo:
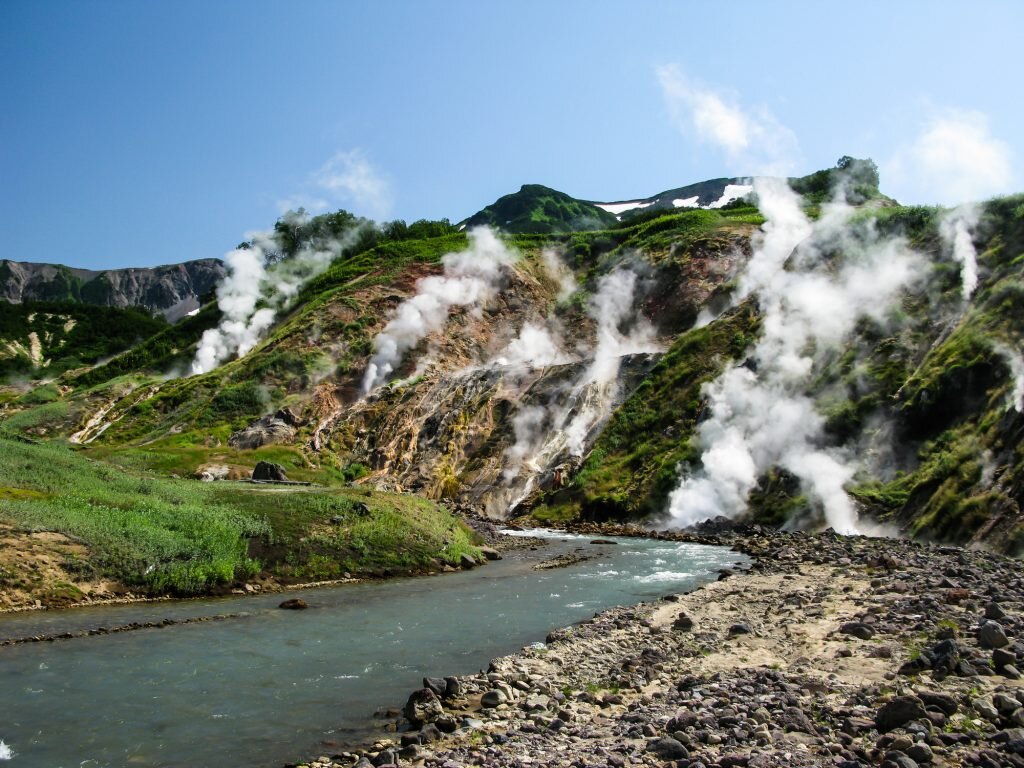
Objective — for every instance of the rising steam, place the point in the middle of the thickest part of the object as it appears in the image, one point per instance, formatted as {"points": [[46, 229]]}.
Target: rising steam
{"points": [[761, 418], [1015, 362], [546, 434], [956, 228], [252, 293], [610, 308], [470, 277]]}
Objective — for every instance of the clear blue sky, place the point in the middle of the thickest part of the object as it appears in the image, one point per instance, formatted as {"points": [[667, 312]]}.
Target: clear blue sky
{"points": [[140, 133]]}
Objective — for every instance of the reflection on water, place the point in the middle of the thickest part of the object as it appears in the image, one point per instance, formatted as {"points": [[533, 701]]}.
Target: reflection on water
{"points": [[268, 686]]}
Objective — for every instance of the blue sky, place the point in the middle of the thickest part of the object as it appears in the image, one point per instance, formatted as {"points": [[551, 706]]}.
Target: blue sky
{"points": [[135, 134]]}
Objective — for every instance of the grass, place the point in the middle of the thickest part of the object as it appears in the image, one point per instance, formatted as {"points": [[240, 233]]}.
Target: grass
{"points": [[167, 535]]}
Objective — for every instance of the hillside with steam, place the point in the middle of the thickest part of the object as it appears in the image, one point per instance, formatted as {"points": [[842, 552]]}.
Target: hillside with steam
{"points": [[802, 352]]}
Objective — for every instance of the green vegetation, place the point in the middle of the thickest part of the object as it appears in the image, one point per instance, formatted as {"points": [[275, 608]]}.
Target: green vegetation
{"points": [[165, 535], [635, 462], [52, 337], [537, 209]]}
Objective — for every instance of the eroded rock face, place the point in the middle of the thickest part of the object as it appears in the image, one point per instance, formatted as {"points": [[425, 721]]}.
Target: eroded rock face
{"points": [[279, 427], [173, 290]]}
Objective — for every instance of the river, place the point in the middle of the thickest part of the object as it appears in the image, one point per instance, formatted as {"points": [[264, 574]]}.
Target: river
{"points": [[268, 686]]}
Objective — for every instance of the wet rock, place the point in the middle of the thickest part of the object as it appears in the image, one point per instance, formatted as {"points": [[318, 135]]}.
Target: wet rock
{"points": [[294, 604], [466, 561], [492, 699], [898, 712], [490, 553], [422, 707], [436, 684]]}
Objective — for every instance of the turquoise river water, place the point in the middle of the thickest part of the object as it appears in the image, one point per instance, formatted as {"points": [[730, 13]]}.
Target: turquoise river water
{"points": [[269, 686]]}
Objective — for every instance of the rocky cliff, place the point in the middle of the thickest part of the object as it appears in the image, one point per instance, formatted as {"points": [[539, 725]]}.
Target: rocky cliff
{"points": [[172, 291]]}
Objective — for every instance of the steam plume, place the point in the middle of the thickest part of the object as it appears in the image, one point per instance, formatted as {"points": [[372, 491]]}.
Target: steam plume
{"points": [[469, 277], [762, 419], [956, 228], [1015, 362], [560, 273], [252, 293], [534, 347], [544, 434], [610, 308]]}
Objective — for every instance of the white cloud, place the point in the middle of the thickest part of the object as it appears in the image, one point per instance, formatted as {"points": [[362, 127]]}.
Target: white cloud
{"points": [[954, 160], [753, 140], [347, 180]]}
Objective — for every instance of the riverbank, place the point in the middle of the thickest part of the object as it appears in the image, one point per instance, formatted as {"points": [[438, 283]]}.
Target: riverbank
{"points": [[830, 650]]}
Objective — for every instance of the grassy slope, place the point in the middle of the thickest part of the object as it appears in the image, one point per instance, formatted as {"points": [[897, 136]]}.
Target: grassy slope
{"points": [[537, 209], [164, 534], [69, 335]]}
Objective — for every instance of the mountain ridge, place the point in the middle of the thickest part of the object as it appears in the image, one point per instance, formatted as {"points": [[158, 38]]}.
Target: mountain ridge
{"points": [[570, 375]]}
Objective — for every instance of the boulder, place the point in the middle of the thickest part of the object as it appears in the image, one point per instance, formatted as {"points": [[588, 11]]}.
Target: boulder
{"points": [[490, 553], [683, 623], [278, 428], [667, 748], [294, 604], [436, 684], [857, 629], [422, 707], [992, 635], [898, 712], [491, 699], [466, 561], [268, 470]]}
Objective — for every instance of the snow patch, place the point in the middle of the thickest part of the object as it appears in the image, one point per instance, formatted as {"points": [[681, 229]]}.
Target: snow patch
{"points": [[689, 202], [730, 193], [193, 313], [617, 208]]}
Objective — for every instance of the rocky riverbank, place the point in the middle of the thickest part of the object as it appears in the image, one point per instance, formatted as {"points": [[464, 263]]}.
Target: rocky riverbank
{"points": [[837, 651]]}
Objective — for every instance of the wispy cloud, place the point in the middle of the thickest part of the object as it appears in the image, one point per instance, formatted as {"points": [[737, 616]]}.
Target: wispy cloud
{"points": [[753, 140], [955, 159], [347, 180]]}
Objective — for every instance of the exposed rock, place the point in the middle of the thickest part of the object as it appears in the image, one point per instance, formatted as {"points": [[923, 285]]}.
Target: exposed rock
{"points": [[269, 471], [898, 712], [991, 635], [277, 428], [422, 707], [857, 629], [171, 290], [294, 604], [492, 699], [668, 748]]}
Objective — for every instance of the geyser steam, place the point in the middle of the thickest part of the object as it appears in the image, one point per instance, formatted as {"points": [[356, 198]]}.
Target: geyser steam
{"points": [[761, 418], [470, 277], [252, 293]]}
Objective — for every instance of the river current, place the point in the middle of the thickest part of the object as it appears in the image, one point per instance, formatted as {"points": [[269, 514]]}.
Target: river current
{"points": [[269, 686]]}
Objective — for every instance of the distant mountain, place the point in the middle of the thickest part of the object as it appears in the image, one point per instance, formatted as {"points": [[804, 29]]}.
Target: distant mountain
{"points": [[713, 193], [173, 290], [536, 209]]}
